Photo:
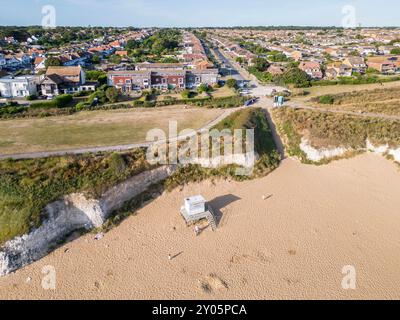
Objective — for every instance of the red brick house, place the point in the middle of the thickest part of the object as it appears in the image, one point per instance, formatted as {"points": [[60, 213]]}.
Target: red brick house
{"points": [[168, 79]]}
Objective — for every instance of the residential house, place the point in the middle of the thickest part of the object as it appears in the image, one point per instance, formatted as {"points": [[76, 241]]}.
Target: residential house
{"points": [[162, 79], [367, 50], [40, 64], [18, 87], [275, 70], [168, 79], [338, 69], [196, 77], [312, 68], [385, 64], [60, 80], [12, 62], [357, 64], [127, 81], [121, 53], [159, 66], [386, 50]]}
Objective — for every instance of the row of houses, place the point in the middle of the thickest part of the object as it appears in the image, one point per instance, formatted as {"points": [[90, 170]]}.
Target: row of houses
{"points": [[167, 77], [14, 61], [386, 65]]}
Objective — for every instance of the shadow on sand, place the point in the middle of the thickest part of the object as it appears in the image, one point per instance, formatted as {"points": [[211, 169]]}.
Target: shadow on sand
{"points": [[221, 202]]}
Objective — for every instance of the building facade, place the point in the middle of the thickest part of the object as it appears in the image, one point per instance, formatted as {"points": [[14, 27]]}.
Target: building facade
{"points": [[18, 87]]}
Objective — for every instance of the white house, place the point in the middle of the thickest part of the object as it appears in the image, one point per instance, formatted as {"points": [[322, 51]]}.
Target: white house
{"points": [[22, 86]]}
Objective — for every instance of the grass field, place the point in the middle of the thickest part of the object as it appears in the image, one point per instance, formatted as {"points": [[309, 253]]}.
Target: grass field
{"points": [[337, 89], [96, 128], [381, 101]]}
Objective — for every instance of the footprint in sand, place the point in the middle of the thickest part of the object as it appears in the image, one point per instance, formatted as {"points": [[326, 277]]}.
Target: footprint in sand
{"points": [[291, 282], [259, 258], [212, 283]]}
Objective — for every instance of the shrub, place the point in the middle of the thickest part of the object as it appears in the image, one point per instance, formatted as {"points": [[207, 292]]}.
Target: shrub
{"points": [[112, 94], [231, 83], [63, 100], [31, 97], [82, 106], [186, 94], [203, 88], [326, 99], [43, 105]]}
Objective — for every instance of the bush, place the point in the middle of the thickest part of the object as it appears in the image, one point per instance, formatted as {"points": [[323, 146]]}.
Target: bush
{"points": [[231, 83], [43, 105], [82, 93], [112, 94], [326, 99], [203, 88], [31, 97], [186, 94], [63, 100], [82, 106]]}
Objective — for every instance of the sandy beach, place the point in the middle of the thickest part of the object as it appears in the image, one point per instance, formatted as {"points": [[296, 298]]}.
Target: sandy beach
{"points": [[286, 236]]}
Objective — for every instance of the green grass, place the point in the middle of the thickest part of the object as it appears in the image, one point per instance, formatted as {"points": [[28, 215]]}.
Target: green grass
{"points": [[27, 186], [96, 128], [379, 101]]}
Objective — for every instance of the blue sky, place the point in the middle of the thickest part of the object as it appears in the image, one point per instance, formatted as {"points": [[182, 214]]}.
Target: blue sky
{"points": [[166, 13]]}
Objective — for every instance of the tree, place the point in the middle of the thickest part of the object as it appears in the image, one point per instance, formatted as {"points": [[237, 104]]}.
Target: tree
{"points": [[231, 83], [116, 59], [52, 62], [294, 76], [395, 51], [240, 60], [132, 44], [261, 64], [112, 94], [95, 59]]}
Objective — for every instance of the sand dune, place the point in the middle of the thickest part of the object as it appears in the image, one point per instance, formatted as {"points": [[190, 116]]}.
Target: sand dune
{"points": [[286, 236]]}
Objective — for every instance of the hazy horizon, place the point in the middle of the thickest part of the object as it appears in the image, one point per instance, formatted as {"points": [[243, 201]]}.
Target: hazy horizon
{"points": [[183, 14]]}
